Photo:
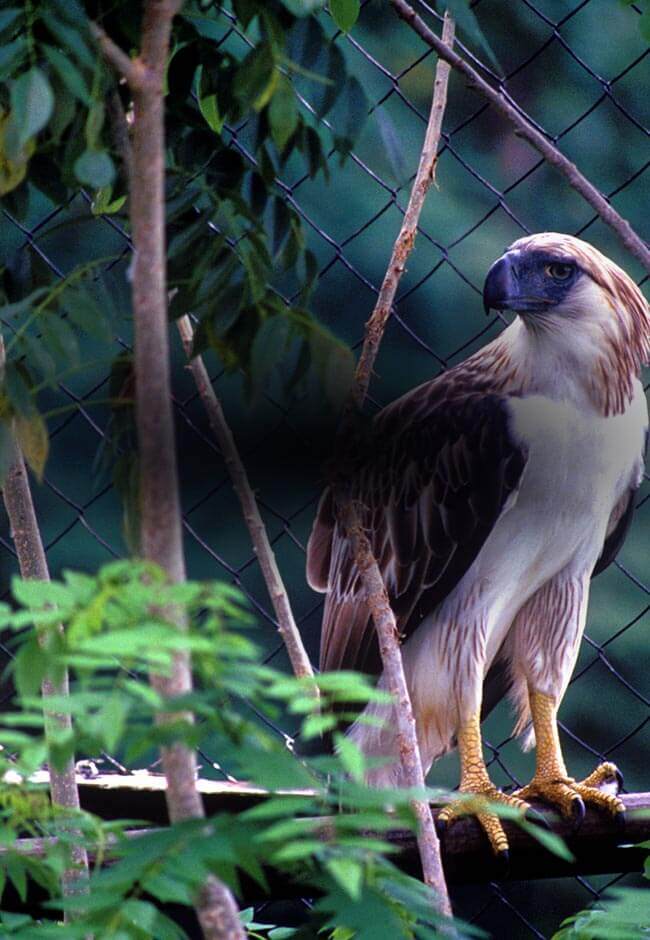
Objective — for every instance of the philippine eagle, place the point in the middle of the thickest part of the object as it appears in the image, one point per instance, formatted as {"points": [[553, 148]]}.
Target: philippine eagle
{"points": [[491, 495]]}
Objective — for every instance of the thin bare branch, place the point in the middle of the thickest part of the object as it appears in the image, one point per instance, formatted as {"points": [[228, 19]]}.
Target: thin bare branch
{"points": [[391, 658], [634, 244], [375, 589], [160, 514], [27, 540], [287, 627], [404, 243]]}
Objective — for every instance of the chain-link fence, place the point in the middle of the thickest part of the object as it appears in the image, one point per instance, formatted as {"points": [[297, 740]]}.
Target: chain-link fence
{"points": [[578, 71]]}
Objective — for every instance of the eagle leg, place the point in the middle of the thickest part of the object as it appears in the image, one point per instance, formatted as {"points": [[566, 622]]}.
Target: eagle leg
{"points": [[551, 782], [474, 780]]}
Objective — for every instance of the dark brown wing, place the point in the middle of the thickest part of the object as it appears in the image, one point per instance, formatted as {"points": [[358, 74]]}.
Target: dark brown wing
{"points": [[434, 478]]}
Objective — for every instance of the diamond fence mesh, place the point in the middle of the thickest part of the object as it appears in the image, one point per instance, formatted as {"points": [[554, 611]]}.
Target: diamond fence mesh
{"points": [[578, 71]]}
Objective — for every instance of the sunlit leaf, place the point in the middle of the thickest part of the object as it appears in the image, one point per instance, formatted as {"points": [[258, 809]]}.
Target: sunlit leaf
{"points": [[33, 440], [32, 102]]}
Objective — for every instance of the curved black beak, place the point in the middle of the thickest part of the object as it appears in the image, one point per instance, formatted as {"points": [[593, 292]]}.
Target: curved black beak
{"points": [[499, 287]]}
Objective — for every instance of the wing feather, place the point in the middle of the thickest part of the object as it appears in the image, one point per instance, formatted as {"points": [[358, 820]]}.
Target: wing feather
{"points": [[437, 471]]}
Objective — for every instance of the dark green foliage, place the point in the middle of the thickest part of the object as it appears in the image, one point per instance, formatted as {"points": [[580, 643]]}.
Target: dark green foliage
{"points": [[235, 115]]}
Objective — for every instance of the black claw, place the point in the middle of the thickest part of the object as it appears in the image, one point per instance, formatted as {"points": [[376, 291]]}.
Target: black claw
{"points": [[619, 820], [441, 827], [503, 862], [620, 781], [577, 812]]}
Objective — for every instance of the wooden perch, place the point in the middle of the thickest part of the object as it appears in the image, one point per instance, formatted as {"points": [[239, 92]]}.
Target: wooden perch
{"points": [[287, 626], [599, 845], [370, 574], [634, 244]]}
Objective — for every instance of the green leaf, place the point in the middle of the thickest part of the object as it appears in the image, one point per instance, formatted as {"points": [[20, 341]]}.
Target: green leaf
{"points": [[393, 145], [315, 725], [69, 74], [8, 16], [69, 38], [86, 313], [32, 102], [166, 888], [60, 338], [257, 77], [17, 388], [12, 169], [29, 667], [345, 13], [103, 204], [644, 24], [349, 875], [283, 114], [468, 23], [325, 95], [95, 168], [41, 593], [17, 875], [11, 56], [33, 440], [38, 356], [303, 7], [209, 104], [245, 10], [281, 223], [268, 346], [94, 124], [23, 305], [351, 756], [349, 115]]}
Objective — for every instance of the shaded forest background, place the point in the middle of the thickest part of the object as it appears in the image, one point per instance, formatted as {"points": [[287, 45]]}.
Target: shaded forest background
{"points": [[585, 83]]}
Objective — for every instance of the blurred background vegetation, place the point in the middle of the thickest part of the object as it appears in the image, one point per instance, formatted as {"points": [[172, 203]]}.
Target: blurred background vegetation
{"points": [[581, 71]]}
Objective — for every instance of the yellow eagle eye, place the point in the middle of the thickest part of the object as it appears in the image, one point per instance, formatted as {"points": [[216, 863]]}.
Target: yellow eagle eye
{"points": [[559, 271]]}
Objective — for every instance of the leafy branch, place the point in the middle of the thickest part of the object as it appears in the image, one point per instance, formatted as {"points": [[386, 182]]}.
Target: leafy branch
{"points": [[160, 531]]}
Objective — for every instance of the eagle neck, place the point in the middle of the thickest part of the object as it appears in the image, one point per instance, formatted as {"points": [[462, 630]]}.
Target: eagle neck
{"points": [[536, 359]]}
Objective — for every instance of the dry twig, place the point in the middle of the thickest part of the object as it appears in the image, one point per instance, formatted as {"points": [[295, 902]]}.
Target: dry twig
{"points": [[287, 627], [375, 589], [635, 245], [425, 176], [161, 534]]}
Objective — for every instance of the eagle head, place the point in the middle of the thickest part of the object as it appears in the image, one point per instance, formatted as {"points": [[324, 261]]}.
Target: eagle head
{"points": [[578, 303]]}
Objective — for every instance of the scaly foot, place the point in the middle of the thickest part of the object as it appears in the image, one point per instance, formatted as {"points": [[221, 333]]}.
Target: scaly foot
{"points": [[476, 804], [570, 795]]}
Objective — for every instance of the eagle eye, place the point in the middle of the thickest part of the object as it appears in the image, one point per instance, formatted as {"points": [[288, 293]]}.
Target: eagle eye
{"points": [[559, 271]]}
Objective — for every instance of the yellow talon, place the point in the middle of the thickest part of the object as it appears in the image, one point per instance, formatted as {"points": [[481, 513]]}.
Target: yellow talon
{"points": [[480, 791], [551, 783]]}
